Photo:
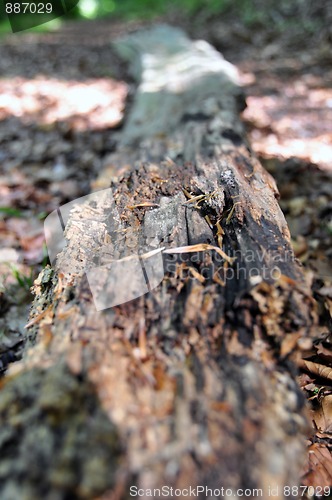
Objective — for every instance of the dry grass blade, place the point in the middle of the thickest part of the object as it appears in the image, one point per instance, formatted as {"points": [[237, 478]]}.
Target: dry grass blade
{"points": [[144, 204], [39, 317], [200, 197], [196, 275], [200, 247]]}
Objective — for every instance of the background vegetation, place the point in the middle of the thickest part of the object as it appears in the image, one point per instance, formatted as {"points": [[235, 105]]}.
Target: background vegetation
{"points": [[281, 14]]}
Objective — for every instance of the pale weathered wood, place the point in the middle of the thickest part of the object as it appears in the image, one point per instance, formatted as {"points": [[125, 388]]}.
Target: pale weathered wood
{"points": [[196, 377]]}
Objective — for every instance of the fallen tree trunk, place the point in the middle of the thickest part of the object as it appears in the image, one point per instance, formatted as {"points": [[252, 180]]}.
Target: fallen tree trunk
{"points": [[191, 384]]}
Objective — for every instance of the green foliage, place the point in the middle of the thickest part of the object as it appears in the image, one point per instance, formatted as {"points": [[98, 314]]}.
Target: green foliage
{"points": [[11, 212], [251, 13], [24, 281], [129, 9], [151, 8], [280, 14], [91, 9]]}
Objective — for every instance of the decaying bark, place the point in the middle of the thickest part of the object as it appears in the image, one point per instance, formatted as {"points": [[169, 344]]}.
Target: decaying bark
{"points": [[196, 377]]}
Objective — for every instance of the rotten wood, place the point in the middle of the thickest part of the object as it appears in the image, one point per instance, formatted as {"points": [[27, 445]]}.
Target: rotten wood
{"points": [[196, 377]]}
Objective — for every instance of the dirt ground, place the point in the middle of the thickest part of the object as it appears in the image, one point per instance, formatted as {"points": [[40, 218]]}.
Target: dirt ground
{"points": [[62, 100]]}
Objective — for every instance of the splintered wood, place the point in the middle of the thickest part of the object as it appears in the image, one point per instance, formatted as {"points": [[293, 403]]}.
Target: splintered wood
{"points": [[194, 375]]}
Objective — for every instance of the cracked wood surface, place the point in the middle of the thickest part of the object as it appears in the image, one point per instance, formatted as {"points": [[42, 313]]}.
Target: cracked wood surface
{"points": [[197, 377]]}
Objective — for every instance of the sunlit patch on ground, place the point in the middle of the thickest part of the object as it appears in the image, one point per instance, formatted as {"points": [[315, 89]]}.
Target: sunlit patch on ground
{"points": [[93, 104], [291, 118], [55, 135]]}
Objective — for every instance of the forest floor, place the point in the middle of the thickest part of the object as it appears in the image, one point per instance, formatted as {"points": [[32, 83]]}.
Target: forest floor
{"points": [[62, 101]]}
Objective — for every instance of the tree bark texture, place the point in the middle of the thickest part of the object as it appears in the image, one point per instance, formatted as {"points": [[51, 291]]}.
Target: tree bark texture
{"points": [[194, 382]]}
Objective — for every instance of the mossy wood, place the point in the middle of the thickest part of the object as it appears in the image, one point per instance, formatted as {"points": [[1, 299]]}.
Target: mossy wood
{"points": [[197, 377]]}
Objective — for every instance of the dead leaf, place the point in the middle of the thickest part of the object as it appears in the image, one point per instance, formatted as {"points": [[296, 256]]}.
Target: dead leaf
{"points": [[319, 470], [324, 352], [328, 305], [305, 380], [317, 369], [289, 343], [322, 416]]}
